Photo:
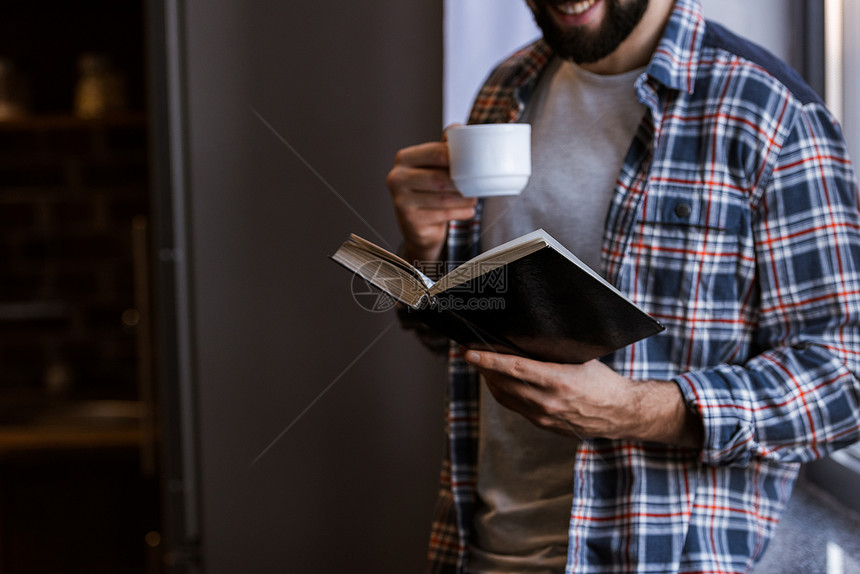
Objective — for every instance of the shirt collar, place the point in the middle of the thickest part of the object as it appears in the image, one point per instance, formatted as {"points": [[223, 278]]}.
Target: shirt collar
{"points": [[675, 61]]}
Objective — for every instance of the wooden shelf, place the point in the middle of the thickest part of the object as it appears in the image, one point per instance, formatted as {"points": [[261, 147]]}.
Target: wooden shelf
{"points": [[71, 425], [35, 440], [66, 122]]}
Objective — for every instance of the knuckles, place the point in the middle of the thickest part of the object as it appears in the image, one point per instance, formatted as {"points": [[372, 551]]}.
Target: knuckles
{"points": [[441, 155], [518, 368], [426, 236], [400, 157], [394, 179]]}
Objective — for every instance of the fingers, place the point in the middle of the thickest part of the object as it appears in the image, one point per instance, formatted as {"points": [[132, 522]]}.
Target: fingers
{"points": [[506, 392], [425, 198], [513, 383], [521, 383], [512, 366], [429, 154], [422, 168], [587, 400], [411, 198]]}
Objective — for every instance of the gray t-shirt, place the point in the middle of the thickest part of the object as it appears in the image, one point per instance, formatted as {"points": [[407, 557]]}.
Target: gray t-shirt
{"points": [[582, 126]]}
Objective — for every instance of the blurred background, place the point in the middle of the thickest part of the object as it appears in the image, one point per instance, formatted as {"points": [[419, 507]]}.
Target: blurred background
{"points": [[187, 383]]}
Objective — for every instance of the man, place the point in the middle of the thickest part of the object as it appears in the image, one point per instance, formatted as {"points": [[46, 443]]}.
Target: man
{"points": [[702, 177]]}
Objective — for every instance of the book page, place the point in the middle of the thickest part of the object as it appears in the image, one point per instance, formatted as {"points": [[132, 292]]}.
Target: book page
{"points": [[383, 273], [492, 259], [395, 260]]}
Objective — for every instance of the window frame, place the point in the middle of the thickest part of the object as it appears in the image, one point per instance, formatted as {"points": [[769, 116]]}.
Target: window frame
{"points": [[839, 58]]}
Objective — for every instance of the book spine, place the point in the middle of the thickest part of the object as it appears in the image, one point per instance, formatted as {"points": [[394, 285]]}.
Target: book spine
{"points": [[426, 301]]}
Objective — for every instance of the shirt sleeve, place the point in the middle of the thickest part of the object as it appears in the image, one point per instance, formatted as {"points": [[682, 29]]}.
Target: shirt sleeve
{"points": [[799, 398]]}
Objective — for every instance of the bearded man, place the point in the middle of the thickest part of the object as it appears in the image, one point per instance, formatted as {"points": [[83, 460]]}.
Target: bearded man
{"points": [[706, 181]]}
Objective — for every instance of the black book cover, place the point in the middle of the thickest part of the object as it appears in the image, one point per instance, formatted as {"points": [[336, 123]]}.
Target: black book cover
{"points": [[541, 306]]}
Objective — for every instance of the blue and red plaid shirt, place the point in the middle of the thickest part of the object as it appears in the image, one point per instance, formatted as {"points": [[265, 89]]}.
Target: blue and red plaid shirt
{"points": [[735, 223]]}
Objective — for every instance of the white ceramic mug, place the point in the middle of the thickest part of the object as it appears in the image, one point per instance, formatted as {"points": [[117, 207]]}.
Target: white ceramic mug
{"points": [[490, 159]]}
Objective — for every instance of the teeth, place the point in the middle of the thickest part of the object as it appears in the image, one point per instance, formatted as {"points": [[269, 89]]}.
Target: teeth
{"points": [[576, 8]]}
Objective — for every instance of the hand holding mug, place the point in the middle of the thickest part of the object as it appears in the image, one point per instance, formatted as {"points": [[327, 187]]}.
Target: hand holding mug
{"points": [[437, 182], [425, 199]]}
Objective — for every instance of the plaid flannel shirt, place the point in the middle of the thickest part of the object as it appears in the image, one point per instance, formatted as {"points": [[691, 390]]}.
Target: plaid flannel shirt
{"points": [[735, 223]]}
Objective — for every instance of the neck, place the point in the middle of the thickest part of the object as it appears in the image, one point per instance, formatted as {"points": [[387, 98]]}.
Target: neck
{"points": [[636, 50]]}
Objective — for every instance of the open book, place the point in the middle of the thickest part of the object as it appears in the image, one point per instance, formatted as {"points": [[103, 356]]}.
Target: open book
{"points": [[529, 296]]}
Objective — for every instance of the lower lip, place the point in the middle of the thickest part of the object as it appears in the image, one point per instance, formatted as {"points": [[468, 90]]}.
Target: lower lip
{"points": [[575, 19]]}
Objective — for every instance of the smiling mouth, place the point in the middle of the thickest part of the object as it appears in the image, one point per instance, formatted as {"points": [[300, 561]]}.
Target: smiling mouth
{"points": [[575, 8]]}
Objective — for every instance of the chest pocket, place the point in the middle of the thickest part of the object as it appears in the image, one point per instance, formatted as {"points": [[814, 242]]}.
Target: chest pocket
{"points": [[691, 264], [687, 212]]}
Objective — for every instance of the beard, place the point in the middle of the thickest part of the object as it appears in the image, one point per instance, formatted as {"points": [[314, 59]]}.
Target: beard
{"points": [[586, 46]]}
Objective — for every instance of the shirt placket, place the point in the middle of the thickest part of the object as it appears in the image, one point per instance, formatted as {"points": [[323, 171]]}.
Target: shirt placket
{"points": [[631, 191]]}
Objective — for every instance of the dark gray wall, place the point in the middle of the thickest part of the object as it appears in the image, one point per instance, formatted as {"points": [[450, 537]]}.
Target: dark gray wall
{"points": [[295, 112]]}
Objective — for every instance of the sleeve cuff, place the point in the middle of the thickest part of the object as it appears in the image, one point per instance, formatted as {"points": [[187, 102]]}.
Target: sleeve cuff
{"points": [[728, 425]]}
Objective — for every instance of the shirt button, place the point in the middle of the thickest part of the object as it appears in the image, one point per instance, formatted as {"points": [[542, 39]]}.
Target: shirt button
{"points": [[683, 210]]}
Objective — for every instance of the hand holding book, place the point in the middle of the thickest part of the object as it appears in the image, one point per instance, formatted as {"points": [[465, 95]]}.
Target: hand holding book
{"points": [[590, 400]]}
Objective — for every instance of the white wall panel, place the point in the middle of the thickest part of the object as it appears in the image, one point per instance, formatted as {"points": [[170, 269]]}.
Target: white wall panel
{"points": [[479, 33]]}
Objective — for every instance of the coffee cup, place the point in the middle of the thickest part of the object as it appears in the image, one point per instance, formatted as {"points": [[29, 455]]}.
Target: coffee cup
{"points": [[490, 159]]}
